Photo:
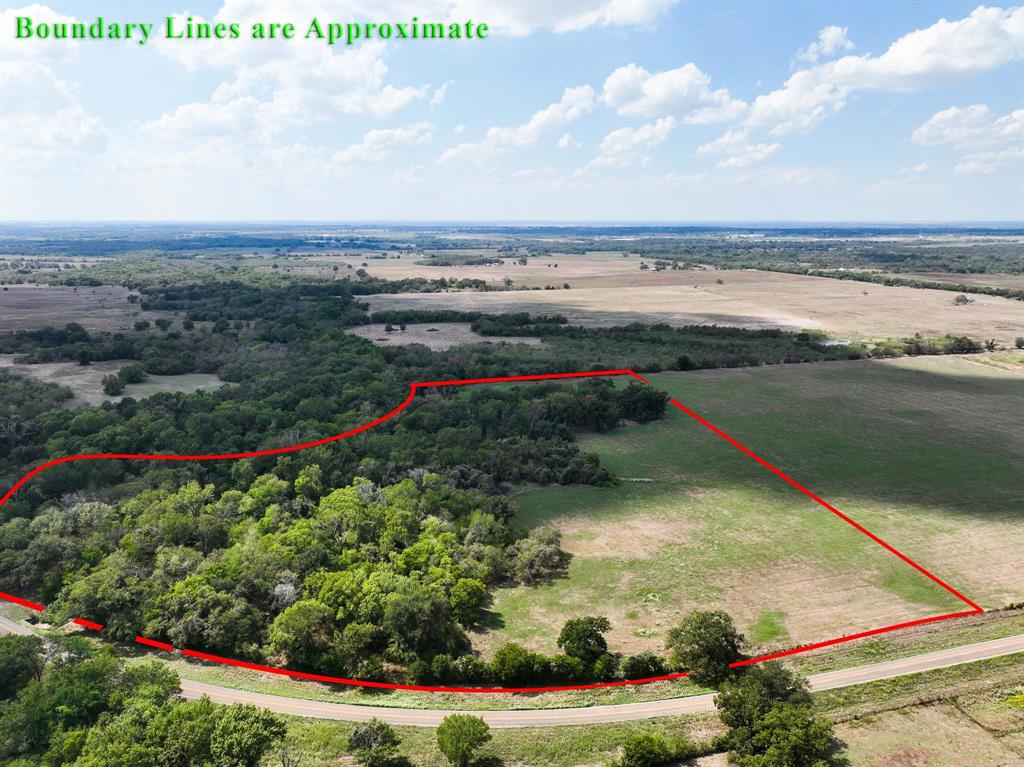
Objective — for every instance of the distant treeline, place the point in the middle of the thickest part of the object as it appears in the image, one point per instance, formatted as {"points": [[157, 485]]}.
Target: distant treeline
{"points": [[909, 282]]}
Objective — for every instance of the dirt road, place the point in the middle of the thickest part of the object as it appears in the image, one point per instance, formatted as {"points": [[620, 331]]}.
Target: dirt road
{"points": [[597, 714]]}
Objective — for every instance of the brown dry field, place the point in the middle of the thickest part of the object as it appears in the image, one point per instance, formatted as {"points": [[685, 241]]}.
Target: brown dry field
{"points": [[936, 735], [86, 382], [437, 336], [30, 307], [538, 272], [752, 299]]}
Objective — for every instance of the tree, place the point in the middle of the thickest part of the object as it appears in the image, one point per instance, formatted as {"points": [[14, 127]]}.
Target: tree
{"points": [[1019, 342], [645, 750], [745, 699], [21, 661], [132, 374], [704, 645], [163, 323], [767, 709], [459, 736], [467, 597], [642, 666], [514, 664], [142, 325], [787, 736], [112, 385], [244, 734], [304, 633], [583, 638], [373, 744]]}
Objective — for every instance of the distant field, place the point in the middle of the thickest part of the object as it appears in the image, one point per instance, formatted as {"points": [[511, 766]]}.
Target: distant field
{"points": [[438, 335], [28, 307], [926, 452], [983, 280], [537, 272], [750, 299], [86, 382]]}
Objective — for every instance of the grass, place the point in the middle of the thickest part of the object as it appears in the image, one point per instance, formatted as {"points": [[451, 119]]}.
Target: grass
{"points": [[769, 627], [323, 743], [924, 452]]}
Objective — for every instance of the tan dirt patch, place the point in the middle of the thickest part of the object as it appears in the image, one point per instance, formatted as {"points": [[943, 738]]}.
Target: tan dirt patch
{"points": [[437, 336], [634, 538]]}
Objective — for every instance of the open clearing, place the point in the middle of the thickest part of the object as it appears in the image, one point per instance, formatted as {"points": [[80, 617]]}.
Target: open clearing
{"points": [[925, 452], [29, 307], [750, 299], [437, 336], [924, 736], [86, 382]]}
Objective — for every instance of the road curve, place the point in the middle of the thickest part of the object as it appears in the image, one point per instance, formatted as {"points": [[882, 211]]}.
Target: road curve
{"points": [[596, 714], [8, 626]]}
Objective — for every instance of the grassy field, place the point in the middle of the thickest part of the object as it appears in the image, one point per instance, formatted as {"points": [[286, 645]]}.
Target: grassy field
{"points": [[29, 307], [925, 452], [751, 299], [983, 689], [86, 382]]}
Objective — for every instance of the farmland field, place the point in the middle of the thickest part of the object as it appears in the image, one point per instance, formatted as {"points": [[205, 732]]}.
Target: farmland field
{"points": [[923, 451], [750, 299], [24, 307]]}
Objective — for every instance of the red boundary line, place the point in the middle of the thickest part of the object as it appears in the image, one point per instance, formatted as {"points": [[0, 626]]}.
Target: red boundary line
{"points": [[413, 388]]}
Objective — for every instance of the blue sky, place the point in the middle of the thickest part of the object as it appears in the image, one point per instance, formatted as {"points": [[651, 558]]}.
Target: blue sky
{"points": [[625, 110]]}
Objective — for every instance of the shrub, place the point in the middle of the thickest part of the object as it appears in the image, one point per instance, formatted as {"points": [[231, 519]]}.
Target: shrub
{"points": [[459, 736], [645, 750], [583, 638], [112, 385], [132, 374], [643, 665], [373, 744]]}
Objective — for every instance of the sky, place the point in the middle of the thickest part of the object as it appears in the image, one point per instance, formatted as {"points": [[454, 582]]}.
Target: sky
{"points": [[576, 110]]}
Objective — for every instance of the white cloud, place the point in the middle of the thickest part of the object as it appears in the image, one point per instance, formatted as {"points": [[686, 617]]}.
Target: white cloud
{"points": [[738, 150], [378, 144], [459, 129], [942, 53], [629, 146], [987, 162], [971, 128], [568, 142], [914, 171], [41, 119], [684, 91], [996, 142], [439, 93], [831, 40], [575, 103]]}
